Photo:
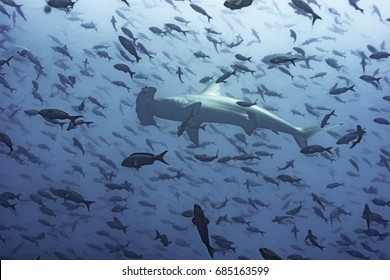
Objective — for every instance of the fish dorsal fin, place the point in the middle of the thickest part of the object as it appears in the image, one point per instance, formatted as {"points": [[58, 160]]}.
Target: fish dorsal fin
{"points": [[212, 89]]}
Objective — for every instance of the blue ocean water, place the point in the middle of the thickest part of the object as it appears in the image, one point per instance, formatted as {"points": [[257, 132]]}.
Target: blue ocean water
{"points": [[246, 201]]}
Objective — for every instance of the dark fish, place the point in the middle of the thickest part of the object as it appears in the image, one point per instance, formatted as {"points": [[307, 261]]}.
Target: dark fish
{"points": [[117, 224], [124, 68], [333, 63], [306, 8], [354, 164], [249, 170], [201, 223], [172, 26], [359, 133], [357, 254], [5, 61], [334, 185], [237, 4], [293, 35], [157, 31], [225, 75], [289, 163], [128, 45], [72, 196], [6, 84], [7, 141], [246, 103], [132, 255], [313, 240], [282, 60], [335, 91], [78, 144], [201, 11], [287, 178], [381, 121], [180, 73], [353, 3], [205, 158], [379, 55], [380, 202], [113, 21], [319, 213], [53, 114], [64, 5], [137, 160], [326, 118], [268, 254], [163, 238], [311, 149]]}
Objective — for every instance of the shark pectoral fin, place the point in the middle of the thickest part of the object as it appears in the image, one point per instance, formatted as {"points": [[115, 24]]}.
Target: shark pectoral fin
{"points": [[251, 124], [249, 127], [193, 134], [194, 107]]}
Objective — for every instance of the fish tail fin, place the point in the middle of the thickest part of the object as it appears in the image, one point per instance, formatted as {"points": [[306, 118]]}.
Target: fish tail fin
{"points": [[315, 17], [352, 88], [211, 251], [74, 118], [158, 235], [88, 203], [8, 60], [208, 18], [328, 149], [144, 106], [293, 61], [160, 157]]}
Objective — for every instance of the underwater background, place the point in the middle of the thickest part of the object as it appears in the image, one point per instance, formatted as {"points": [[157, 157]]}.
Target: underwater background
{"points": [[248, 204]]}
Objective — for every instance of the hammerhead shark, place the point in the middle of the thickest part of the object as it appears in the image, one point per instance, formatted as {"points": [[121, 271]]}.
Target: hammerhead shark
{"points": [[210, 107]]}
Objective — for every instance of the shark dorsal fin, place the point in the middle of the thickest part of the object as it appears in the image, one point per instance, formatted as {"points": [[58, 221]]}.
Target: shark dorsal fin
{"points": [[212, 89]]}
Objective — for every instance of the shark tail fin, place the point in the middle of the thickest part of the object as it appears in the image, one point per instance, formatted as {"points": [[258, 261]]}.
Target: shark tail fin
{"points": [[304, 133], [144, 106]]}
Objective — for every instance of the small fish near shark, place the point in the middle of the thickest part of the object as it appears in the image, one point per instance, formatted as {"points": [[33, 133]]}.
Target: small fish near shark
{"points": [[214, 108]]}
